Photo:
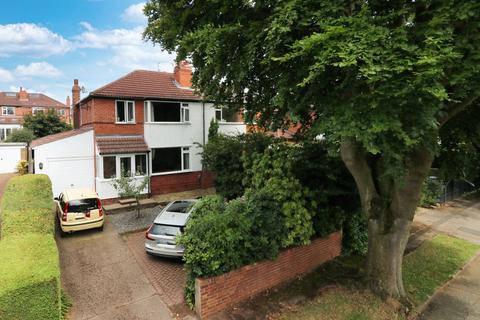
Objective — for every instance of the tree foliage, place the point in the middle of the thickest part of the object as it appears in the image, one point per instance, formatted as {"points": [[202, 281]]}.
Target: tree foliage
{"points": [[45, 123], [21, 135], [379, 79], [128, 186]]}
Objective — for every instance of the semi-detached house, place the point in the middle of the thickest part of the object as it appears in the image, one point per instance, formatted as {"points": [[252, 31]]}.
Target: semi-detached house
{"points": [[146, 123]]}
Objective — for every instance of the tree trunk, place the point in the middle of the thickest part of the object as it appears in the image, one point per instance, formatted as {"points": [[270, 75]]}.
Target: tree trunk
{"points": [[389, 204]]}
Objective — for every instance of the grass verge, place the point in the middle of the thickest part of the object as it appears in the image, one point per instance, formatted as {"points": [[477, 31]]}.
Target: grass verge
{"points": [[425, 270]]}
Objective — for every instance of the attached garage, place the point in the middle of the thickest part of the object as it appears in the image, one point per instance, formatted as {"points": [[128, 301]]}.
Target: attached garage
{"points": [[10, 155], [67, 158]]}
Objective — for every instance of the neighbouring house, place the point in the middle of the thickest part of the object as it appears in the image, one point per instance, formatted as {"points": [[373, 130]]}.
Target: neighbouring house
{"points": [[15, 105], [146, 123]]}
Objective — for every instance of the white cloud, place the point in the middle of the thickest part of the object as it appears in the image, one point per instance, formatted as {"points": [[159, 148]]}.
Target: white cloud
{"points": [[86, 25], [38, 69], [31, 40], [127, 46], [6, 76], [134, 14]]}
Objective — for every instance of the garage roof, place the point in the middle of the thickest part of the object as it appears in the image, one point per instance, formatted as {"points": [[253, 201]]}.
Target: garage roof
{"points": [[58, 136], [121, 144]]}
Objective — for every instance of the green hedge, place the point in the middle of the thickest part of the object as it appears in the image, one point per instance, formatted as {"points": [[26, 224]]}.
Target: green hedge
{"points": [[29, 265]]}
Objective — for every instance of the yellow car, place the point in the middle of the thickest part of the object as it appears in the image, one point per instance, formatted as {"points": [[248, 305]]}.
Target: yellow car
{"points": [[79, 209]]}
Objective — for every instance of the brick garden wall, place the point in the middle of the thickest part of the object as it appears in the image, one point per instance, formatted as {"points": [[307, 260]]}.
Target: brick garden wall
{"points": [[215, 294], [181, 182]]}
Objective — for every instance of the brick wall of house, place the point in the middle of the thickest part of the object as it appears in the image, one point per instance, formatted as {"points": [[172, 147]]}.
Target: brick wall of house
{"points": [[20, 112], [215, 294], [181, 182], [100, 112]]}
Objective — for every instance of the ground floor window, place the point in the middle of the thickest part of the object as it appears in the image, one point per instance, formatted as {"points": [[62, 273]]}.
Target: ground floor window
{"points": [[5, 133], [125, 165], [171, 159]]}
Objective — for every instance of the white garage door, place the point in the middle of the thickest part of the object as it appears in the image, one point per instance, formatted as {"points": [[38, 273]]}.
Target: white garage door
{"points": [[9, 157], [68, 173]]}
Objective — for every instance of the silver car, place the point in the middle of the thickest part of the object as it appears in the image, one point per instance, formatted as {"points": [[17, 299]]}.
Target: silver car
{"points": [[170, 222]]}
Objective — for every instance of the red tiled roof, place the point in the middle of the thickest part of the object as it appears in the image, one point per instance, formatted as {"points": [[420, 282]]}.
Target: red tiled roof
{"points": [[34, 100], [121, 144], [146, 84], [58, 136]]}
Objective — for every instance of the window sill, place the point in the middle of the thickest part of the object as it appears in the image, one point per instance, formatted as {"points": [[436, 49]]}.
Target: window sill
{"points": [[125, 123], [170, 123], [111, 179], [170, 172]]}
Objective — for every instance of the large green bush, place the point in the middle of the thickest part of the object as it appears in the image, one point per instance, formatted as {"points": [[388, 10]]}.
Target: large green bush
{"points": [[29, 265], [230, 157], [432, 191]]}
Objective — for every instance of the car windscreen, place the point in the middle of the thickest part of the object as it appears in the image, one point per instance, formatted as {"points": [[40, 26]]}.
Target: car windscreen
{"points": [[82, 205], [180, 206], [165, 230]]}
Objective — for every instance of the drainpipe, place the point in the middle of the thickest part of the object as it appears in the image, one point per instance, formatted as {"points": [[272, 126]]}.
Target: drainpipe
{"points": [[203, 142]]}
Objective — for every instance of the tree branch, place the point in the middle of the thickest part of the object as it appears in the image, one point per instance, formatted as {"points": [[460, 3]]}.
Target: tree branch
{"points": [[457, 108], [356, 161]]}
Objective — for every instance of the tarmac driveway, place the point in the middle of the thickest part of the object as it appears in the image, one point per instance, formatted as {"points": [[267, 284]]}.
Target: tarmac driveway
{"points": [[103, 279]]}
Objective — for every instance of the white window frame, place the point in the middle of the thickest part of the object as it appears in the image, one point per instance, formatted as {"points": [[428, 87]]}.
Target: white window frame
{"points": [[61, 112], [183, 151], [221, 115], [125, 110], [5, 111], [184, 110], [118, 167], [36, 109]]}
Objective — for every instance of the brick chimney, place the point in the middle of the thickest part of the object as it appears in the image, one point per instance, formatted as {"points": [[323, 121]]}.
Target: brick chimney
{"points": [[75, 92], [183, 73], [67, 101], [22, 95]]}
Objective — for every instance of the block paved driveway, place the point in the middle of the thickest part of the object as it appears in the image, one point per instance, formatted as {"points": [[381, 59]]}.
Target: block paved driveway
{"points": [[103, 279], [166, 275]]}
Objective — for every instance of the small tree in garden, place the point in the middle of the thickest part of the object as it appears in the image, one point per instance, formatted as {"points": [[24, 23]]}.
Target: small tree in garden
{"points": [[21, 135], [45, 123], [129, 187]]}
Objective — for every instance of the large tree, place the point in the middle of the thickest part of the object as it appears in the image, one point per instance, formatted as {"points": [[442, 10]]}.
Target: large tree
{"points": [[378, 78], [45, 123]]}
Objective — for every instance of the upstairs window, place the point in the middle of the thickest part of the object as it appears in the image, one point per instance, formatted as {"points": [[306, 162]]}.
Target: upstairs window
{"points": [[125, 111], [36, 111], [165, 111], [8, 111], [185, 112]]}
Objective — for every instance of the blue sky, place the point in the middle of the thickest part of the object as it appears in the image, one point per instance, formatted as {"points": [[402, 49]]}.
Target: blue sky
{"points": [[46, 44]]}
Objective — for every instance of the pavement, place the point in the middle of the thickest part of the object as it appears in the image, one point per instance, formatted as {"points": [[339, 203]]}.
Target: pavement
{"points": [[104, 280], [459, 299]]}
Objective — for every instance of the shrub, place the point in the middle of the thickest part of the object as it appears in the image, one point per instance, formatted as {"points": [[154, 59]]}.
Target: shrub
{"points": [[21, 135], [29, 266], [223, 156], [22, 167], [355, 234], [230, 157], [432, 190]]}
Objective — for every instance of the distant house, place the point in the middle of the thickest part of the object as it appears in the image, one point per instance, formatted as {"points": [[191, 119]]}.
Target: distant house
{"points": [[15, 105], [146, 123]]}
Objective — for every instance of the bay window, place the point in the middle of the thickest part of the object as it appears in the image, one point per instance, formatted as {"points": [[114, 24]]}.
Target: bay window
{"points": [[124, 165], [173, 159], [124, 111]]}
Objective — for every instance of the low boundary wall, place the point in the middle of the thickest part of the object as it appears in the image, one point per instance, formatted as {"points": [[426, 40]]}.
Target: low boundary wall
{"points": [[215, 294]]}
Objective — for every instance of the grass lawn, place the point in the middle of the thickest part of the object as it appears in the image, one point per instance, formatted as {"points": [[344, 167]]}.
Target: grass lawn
{"points": [[425, 270]]}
